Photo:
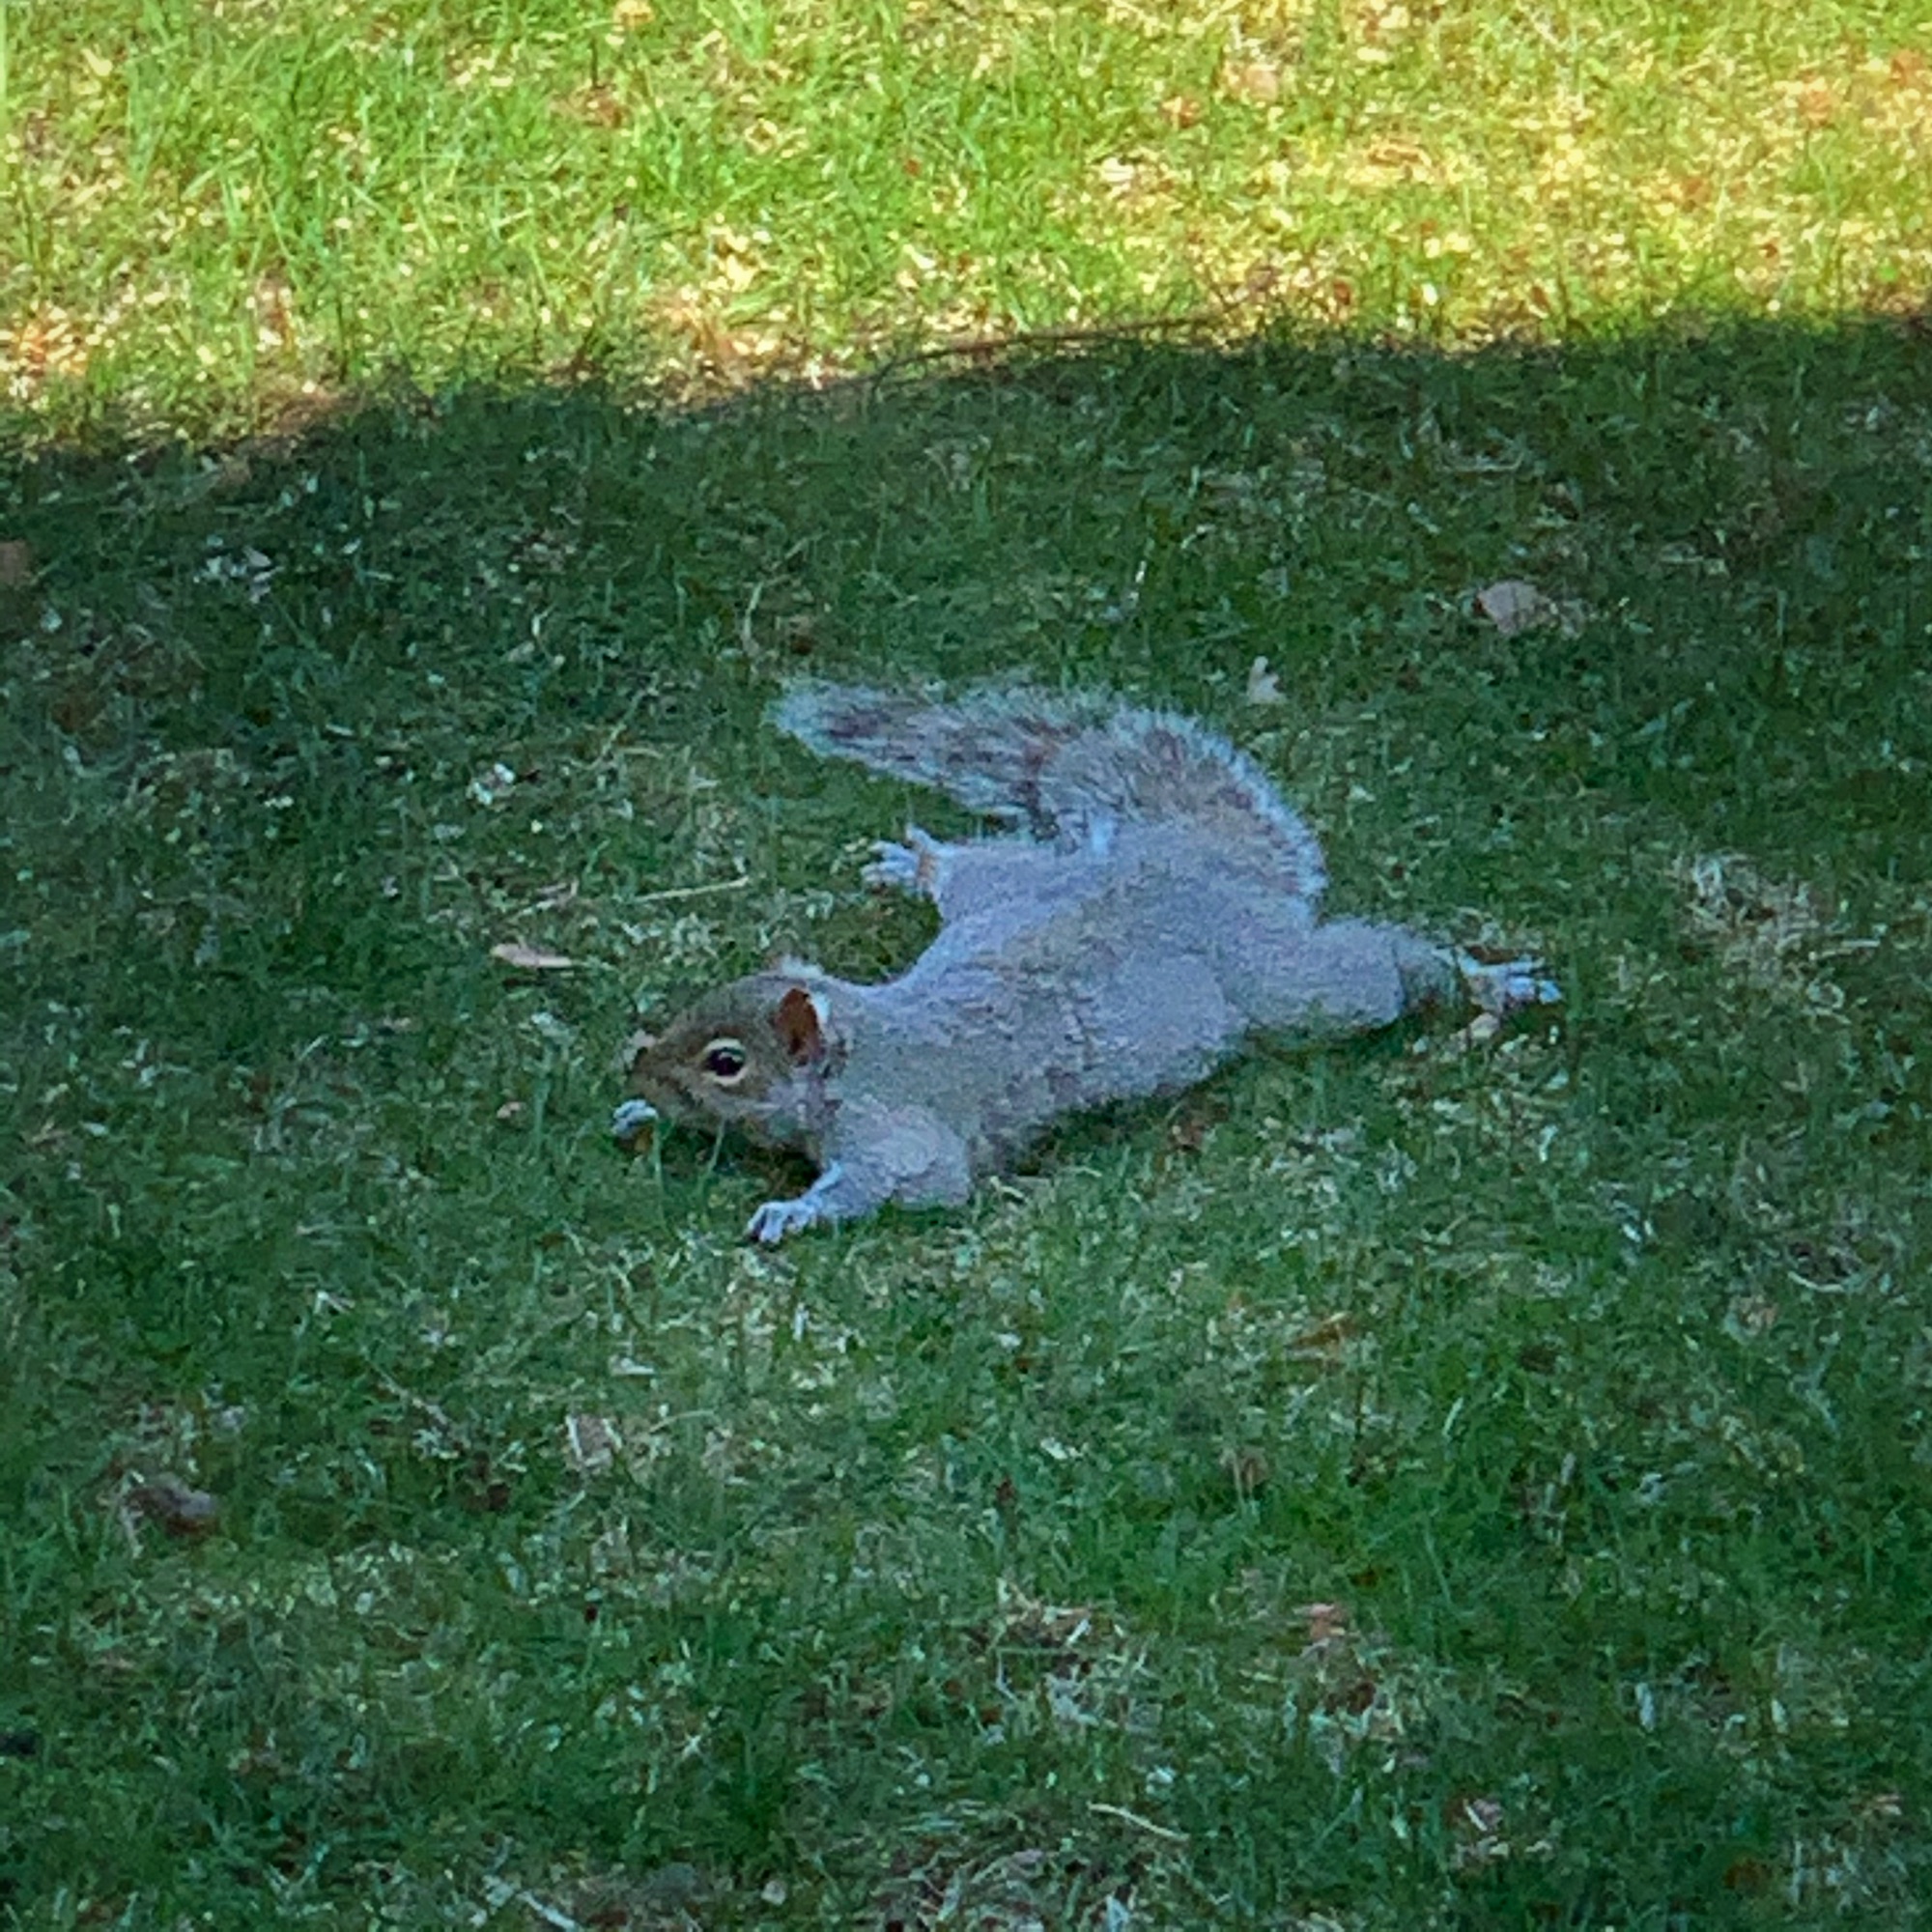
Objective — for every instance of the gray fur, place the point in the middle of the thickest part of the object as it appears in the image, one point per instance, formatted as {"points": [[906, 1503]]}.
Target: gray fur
{"points": [[1067, 769], [1160, 913]]}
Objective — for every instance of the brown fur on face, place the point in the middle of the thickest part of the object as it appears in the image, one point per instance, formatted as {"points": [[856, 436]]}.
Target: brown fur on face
{"points": [[752, 1055]]}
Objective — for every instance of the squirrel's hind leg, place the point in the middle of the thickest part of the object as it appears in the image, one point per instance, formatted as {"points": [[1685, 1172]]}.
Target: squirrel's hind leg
{"points": [[1349, 974], [1342, 975], [1508, 987]]}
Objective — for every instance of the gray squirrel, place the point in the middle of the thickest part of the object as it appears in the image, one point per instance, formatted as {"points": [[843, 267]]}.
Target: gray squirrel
{"points": [[1158, 908]]}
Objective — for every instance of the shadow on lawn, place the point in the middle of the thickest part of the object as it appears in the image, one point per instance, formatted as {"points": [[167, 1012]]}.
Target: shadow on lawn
{"points": [[1154, 517], [295, 734]]}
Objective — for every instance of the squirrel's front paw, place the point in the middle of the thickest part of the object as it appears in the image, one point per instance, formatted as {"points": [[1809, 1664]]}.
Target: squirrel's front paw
{"points": [[631, 1118], [911, 867], [1508, 987], [777, 1220]]}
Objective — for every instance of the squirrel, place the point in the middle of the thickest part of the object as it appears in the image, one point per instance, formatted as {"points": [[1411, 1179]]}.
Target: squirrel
{"points": [[1156, 906]]}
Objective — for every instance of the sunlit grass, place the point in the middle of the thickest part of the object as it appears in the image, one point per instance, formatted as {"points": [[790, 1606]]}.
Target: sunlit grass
{"points": [[217, 210]]}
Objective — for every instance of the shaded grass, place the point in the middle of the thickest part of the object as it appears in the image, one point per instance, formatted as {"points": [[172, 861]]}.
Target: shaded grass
{"points": [[217, 215], [971, 1555]]}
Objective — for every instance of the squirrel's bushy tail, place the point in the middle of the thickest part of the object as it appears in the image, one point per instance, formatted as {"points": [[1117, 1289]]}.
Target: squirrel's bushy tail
{"points": [[1067, 768]]}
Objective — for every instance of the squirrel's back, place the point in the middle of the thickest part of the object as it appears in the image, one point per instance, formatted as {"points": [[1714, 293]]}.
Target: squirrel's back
{"points": [[1069, 769]]}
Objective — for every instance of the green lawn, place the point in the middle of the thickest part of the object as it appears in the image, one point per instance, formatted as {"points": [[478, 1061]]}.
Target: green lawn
{"points": [[1394, 1487], [217, 212]]}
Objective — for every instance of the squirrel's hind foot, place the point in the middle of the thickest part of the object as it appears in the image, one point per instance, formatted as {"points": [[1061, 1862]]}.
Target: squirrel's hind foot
{"points": [[1509, 985]]}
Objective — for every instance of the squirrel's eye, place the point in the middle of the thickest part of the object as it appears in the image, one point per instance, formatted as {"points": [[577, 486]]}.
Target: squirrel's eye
{"points": [[725, 1061]]}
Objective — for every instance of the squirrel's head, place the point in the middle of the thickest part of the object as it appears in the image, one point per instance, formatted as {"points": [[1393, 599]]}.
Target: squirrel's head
{"points": [[753, 1054]]}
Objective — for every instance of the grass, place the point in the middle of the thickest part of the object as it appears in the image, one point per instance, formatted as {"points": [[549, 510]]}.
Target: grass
{"points": [[972, 1557], [1395, 1485], [215, 216]]}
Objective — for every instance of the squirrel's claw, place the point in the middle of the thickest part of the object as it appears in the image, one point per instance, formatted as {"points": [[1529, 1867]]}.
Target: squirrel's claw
{"points": [[911, 867], [1509, 985], [777, 1220], [897, 865], [832, 1197]]}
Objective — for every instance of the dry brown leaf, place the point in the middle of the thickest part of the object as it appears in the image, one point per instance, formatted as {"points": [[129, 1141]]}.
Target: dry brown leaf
{"points": [[17, 563], [1252, 80], [594, 106], [530, 958], [179, 1508], [1513, 606], [49, 343], [1325, 1621], [1815, 104], [1328, 1336], [797, 632]]}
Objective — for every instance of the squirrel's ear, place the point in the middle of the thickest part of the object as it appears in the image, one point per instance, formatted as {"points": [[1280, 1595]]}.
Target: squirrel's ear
{"points": [[800, 1024]]}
